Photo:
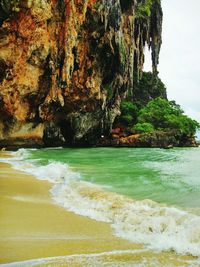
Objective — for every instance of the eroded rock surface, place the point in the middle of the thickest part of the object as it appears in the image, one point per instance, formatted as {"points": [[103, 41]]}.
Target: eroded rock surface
{"points": [[65, 65]]}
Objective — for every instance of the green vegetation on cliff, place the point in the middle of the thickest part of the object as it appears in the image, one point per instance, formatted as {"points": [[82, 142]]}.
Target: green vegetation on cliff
{"points": [[148, 110], [129, 113], [148, 88], [144, 8], [144, 127], [166, 115]]}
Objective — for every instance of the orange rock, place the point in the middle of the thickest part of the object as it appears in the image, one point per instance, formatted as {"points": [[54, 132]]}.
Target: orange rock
{"points": [[116, 130], [60, 57]]}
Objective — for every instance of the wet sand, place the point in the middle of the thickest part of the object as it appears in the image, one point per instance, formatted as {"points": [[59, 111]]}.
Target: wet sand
{"points": [[33, 227]]}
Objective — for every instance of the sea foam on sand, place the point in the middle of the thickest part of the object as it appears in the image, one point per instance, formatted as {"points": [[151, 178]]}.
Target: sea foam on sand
{"points": [[158, 227]]}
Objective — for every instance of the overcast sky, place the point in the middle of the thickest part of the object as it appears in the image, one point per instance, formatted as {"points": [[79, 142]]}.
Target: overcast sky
{"points": [[179, 66]]}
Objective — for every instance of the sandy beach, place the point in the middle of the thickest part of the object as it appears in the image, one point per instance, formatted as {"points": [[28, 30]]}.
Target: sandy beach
{"points": [[33, 227]]}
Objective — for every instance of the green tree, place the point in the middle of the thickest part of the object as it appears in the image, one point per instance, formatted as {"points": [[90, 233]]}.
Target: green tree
{"points": [[129, 113], [167, 115], [144, 127]]}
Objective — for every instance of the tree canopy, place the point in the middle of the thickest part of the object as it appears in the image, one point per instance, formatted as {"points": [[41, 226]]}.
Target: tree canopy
{"points": [[166, 115], [129, 113]]}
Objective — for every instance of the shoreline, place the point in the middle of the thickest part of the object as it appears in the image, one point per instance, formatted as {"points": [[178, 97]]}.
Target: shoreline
{"points": [[34, 227], [157, 139], [15, 148]]}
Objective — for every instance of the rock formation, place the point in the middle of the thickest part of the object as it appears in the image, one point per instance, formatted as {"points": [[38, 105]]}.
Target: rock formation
{"points": [[65, 65]]}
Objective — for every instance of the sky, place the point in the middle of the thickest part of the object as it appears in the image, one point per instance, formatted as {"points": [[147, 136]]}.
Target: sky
{"points": [[179, 66]]}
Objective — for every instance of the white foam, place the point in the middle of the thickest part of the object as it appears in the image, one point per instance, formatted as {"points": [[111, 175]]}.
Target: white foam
{"points": [[106, 259], [146, 222], [20, 154], [79, 257], [54, 172], [28, 199]]}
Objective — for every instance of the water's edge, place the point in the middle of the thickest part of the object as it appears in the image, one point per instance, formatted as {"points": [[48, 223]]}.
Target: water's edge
{"points": [[158, 227]]}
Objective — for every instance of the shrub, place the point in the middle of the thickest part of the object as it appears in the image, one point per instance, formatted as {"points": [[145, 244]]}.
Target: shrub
{"points": [[143, 128], [129, 113], [144, 8], [128, 107], [126, 119], [167, 115]]}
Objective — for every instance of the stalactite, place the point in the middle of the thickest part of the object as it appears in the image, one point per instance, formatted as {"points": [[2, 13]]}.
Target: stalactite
{"points": [[149, 22], [156, 34], [73, 60]]}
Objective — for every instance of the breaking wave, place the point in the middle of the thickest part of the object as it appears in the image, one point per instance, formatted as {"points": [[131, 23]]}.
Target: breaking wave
{"points": [[158, 227]]}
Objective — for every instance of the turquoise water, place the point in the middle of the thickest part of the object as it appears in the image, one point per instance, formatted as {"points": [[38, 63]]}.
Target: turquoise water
{"points": [[165, 176], [148, 196]]}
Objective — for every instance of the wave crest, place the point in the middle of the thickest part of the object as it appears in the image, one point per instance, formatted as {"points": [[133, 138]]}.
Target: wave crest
{"points": [[157, 226]]}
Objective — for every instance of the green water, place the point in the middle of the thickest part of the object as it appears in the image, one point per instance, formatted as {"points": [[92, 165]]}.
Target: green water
{"points": [[165, 176]]}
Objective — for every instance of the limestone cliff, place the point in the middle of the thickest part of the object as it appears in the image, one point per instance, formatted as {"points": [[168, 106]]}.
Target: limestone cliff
{"points": [[65, 65]]}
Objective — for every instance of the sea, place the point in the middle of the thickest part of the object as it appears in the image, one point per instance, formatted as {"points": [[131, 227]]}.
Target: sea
{"points": [[148, 196]]}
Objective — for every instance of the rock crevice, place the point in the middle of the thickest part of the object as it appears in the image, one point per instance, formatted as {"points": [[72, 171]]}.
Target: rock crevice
{"points": [[67, 64]]}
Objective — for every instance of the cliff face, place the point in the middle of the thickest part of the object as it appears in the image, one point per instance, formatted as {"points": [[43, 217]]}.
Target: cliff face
{"points": [[65, 65]]}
